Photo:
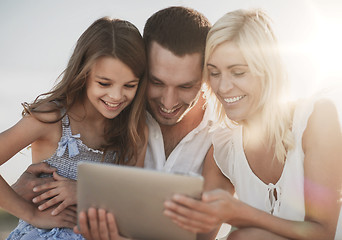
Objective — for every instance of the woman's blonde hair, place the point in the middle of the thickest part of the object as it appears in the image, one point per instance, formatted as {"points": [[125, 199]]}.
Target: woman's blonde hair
{"points": [[112, 38], [250, 30]]}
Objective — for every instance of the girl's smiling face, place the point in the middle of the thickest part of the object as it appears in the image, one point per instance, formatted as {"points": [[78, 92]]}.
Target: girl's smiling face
{"points": [[111, 86], [233, 83]]}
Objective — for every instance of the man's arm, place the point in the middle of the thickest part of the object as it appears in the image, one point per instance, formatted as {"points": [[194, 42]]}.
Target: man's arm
{"points": [[30, 179]]}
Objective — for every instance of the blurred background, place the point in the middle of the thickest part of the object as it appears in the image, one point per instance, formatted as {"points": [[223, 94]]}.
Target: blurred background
{"points": [[37, 39]]}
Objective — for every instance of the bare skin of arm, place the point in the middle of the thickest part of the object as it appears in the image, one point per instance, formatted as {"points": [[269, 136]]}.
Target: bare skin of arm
{"points": [[322, 168], [59, 191], [29, 131], [213, 179]]}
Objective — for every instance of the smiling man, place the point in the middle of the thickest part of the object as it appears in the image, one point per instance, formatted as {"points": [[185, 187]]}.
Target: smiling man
{"points": [[179, 122]]}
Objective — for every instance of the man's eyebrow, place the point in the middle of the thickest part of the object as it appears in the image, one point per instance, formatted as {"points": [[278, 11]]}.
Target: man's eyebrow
{"points": [[192, 82], [154, 78]]}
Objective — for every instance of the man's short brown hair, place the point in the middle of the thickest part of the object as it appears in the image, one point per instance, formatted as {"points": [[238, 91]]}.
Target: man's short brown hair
{"points": [[180, 30]]}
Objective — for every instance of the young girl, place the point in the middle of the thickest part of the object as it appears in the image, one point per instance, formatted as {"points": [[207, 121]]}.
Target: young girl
{"points": [[95, 113], [283, 159]]}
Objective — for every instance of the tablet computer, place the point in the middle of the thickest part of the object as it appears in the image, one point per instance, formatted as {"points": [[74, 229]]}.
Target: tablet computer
{"points": [[135, 196]]}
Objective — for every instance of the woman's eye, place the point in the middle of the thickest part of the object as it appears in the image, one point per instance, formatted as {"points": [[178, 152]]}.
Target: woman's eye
{"points": [[214, 74], [238, 74]]}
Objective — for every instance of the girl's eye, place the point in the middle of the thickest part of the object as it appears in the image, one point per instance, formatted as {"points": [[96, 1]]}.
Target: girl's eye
{"points": [[131, 85], [103, 84]]}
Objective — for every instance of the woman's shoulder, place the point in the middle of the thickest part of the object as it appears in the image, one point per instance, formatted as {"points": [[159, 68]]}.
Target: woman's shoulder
{"points": [[224, 142], [224, 135], [323, 109], [324, 114], [314, 118]]}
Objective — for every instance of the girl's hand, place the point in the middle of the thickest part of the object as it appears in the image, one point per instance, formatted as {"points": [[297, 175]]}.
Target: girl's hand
{"points": [[201, 216], [62, 190], [44, 219], [98, 225]]}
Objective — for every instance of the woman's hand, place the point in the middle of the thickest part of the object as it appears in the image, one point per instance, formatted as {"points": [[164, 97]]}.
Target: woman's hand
{"points": [[201, 216], [62, 190], [98, 225]]}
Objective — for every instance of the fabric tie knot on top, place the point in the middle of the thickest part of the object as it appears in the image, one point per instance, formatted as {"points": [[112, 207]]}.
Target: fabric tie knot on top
{"points": [[272, 200], [69, 141]]}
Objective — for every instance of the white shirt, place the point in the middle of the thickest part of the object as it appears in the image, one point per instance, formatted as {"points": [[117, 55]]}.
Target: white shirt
{"points": [[230, 158], [187, 156]]}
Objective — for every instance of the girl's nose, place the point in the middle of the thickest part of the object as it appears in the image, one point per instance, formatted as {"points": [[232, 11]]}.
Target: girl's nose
{"points": [[115, 93]]}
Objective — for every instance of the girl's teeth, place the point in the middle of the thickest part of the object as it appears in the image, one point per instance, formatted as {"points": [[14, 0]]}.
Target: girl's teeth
{"points": [[112, 105]]}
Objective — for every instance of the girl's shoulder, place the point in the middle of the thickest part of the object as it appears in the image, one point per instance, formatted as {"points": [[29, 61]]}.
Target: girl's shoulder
{"points": [[41, 121], [50, 112]]}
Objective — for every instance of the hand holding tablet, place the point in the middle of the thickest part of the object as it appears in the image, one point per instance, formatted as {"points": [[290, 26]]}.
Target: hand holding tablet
{"points": [[135, 196]]}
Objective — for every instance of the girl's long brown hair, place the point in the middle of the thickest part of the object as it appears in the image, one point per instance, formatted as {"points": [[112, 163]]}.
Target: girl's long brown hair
{"points": [[105, 37]]}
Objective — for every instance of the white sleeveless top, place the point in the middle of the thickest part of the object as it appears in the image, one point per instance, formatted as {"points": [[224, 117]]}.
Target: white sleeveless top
{"points": [[230, 158]]}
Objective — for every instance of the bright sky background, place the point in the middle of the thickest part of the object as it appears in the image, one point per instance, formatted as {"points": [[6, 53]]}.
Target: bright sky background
{"points": [[38, 36]]}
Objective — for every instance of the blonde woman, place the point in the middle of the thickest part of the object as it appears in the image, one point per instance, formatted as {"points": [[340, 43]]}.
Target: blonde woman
{"points": [[283, 159]]}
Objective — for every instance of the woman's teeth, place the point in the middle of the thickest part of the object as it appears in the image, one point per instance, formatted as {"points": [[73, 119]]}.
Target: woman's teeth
{"points": [[233, 99]]}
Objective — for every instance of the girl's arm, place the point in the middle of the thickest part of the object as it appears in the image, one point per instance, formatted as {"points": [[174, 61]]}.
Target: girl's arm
{"points": [[322, 143], [28, 130]]}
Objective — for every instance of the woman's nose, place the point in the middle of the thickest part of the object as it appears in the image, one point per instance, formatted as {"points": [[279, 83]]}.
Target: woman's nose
{"points": [[225, 84]]}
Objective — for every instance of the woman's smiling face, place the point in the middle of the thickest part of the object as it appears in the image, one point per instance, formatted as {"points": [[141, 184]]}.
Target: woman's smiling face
{"points": [[232, 82]]}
